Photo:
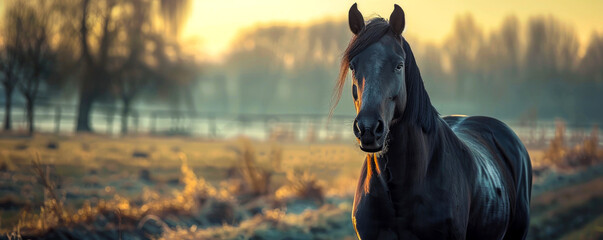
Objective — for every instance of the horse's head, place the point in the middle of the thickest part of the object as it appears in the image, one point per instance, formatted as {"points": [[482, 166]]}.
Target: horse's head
{"points": [[377, 61]]}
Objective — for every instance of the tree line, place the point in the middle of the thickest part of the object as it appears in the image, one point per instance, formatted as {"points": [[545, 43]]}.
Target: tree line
{"points": [[101, 50], [520, 70], [126, 52]]}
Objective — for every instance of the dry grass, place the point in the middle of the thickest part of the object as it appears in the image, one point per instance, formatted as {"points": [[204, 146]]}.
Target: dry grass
{"points": [[587, 153], [185, 188], [302, 185], [52, 211], [196, 194], [328, 222], [563, 199], [89, 162], [104, 168], [256, 177], [560, 155], [557, 147], [592, 231]]}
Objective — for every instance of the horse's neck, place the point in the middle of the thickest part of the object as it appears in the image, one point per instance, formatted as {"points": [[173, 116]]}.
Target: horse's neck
{"points": [[409, 154]]}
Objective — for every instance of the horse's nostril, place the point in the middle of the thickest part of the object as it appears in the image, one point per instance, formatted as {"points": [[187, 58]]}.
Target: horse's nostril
{"points": [[379, 129], [357, 129]]}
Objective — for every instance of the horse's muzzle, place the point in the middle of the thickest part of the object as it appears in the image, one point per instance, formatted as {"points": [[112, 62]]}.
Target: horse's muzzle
{"points": [[369, 131]]}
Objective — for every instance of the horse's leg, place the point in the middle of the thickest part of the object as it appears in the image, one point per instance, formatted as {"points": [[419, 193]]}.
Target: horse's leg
{"points": [[518, 227], [387, 235], [407, 235]]}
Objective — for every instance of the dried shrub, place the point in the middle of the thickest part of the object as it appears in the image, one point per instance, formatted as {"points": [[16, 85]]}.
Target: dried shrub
{"points": [[301, 185], [52, 213], [586, 153], [53, 206], [256, 178], [276, 157], [197, 190], [328, 222], [196, 195], [557, 147], [582, 154]]}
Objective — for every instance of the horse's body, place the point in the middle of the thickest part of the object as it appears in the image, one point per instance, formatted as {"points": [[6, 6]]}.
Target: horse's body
{"points": [[476, 184], [427, 177]]}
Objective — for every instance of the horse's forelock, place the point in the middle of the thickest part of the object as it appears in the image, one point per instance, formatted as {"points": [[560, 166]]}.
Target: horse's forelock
{"points": [[374, 30]]}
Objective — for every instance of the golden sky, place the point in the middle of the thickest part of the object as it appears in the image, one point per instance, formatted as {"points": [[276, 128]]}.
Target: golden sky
{"points": [[215, 23]]}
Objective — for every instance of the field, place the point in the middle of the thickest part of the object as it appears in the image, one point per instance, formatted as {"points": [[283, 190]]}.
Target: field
{"points": [[100, 187]]}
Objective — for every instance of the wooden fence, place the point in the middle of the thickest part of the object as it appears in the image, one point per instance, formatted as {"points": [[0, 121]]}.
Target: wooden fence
{"points": [[61, 119]]}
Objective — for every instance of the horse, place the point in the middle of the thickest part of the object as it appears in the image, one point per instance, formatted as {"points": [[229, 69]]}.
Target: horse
{"points": [[426, 176]]}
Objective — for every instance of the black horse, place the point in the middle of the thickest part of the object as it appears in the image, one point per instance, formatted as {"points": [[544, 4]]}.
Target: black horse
{"points": [[426, 177]]}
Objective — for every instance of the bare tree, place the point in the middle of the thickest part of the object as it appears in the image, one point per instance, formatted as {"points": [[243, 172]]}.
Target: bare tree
{"points": [[100, 66], [591, 64], [37, 56], [552, 49], [151, 59], [11, 59], [96, 62], [463, 46], [174, 13], [509, 42]]}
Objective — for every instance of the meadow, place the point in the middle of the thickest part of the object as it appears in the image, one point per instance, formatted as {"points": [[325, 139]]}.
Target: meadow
{"points": [[158, 187]]}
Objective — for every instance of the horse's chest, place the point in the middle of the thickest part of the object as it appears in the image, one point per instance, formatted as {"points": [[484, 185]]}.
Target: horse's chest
{"points": [[373, 214], [376, 216]]}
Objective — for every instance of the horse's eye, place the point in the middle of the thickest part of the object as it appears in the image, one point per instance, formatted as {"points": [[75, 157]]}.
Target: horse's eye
{"points": [[355, 92], [400, 66], [351, 67]]}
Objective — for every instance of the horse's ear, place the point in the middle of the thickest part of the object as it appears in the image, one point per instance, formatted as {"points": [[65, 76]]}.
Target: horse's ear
{"points": [[396, 20], [355, 19]]}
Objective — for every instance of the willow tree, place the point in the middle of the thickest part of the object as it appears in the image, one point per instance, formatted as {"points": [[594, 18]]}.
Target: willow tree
{"points": [[101, 25], [37, 53], [590, 65], [462, 46], [11, 59]]}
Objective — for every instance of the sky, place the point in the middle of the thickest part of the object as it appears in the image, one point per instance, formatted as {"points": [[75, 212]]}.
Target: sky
{"points": [[215, 23]]}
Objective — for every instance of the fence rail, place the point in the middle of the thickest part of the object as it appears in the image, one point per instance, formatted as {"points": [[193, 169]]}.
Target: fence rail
{"points": [[61, 118]]}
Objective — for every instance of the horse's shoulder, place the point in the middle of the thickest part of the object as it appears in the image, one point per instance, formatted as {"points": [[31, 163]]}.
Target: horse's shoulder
{"points": [[478, 125], [456, 120], [453, 120]]}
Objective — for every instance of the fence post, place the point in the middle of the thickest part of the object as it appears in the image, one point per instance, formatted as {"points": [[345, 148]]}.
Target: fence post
{"points": [[57, 119], [267, 127], [212, 126], [240, 123], [153, 119], [136, 122], [109, 122]]}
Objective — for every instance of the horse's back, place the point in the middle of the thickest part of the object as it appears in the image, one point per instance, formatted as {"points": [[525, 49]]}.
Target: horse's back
{"points": [[511, 155]]}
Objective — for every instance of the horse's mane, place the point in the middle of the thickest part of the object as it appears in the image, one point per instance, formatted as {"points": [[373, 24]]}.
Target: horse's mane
{"points": [[421, 111]]}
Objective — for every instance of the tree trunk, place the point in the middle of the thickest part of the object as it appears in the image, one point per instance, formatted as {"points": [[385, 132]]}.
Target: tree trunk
{"points": [[7, 108], [30, 114], [84, 110], [124, 116]]}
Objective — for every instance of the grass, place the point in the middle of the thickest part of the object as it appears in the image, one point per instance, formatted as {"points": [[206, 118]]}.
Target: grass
{"points": [[187, 188], [195, 194], [83, 178], [591, 231]]}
